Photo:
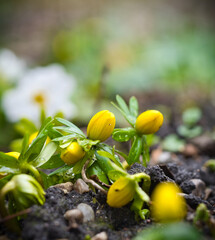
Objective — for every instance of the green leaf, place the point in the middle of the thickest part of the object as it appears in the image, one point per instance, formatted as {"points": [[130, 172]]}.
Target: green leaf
{"points": [[54, 162], [61, 170], [38, 143], [123, 134], [25, 145], [122, 104], [66, 137], [133, 106], [115, 174], [25, 126], [48, 181], [110, 156], [176, 231], [173, 143], [95, 169], [135, 151], [45, 154], [87, 144], [5, 179], [71, 126], [130, 119], [187, 132], [191, 116], [36, 147], [79, 165], [108, 166], [4, 169], [8, 161]]}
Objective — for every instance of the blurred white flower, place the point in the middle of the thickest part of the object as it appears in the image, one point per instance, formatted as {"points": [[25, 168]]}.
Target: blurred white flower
{"points": [[50, 87], [11, 67]]}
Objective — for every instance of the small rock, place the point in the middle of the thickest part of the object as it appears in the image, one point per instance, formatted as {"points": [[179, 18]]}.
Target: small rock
{"points": [[205, 144], [66, 187], [100, 236], [75, 217], [80, 186], [190, 150], [160, 157], [199, 190], [87, 212], [208, 191]]}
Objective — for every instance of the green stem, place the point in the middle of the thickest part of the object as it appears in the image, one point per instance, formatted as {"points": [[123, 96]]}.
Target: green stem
{"points": [[34, 171], [12, 223]]}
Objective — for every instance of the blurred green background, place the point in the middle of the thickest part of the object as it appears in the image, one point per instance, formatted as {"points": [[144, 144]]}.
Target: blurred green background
{"points": [[163, 52]]}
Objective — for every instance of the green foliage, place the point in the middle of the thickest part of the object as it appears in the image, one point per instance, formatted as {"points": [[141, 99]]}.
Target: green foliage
{"points": [[173, 143], [176, 231], [210, 164], [190, 118]]}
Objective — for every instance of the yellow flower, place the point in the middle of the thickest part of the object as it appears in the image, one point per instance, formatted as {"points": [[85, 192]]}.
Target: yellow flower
{"points": [[101, 126], [167, 204], [34, 135], [72, 154], [149, 122], [13, 154], [121, 192]]}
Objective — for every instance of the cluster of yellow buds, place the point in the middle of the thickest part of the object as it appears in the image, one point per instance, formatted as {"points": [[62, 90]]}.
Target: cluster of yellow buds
{"points": [[149, 122], [101, 126], [72, 154], [167, 203]]}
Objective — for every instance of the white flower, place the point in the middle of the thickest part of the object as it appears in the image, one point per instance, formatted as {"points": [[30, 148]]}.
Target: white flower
{"points": [[50, 87], [11, 67]]}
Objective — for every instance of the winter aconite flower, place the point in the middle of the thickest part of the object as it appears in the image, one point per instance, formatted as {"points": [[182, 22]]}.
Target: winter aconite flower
{"points": [[48, 87], [73, 153], [121, 192], [149, 122], [101, 125], [167, 203]]}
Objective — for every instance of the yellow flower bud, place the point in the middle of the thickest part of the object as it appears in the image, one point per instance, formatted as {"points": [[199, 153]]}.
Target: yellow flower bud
{"points": [[13, 154], [121, 192], [101, 126], [34, 135], [149, 122], [72, 154], [167, 204]]}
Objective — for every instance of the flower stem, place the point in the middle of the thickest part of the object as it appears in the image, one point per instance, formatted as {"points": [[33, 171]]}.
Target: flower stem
{"points": [[87, 180]]}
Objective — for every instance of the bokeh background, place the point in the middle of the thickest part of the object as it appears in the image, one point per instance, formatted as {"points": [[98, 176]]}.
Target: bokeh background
{"points": [[71, 57]]}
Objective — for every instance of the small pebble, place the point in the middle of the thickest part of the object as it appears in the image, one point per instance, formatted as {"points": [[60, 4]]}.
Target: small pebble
{"points": [[160, 157], [87, 212], [66, 187], [80, 186], [100, 236], [75, 217], [199, 190], [190, 150]]}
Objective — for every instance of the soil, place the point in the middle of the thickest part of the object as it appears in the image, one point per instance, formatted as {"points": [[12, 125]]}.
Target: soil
{"points": [[47, 222]]}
